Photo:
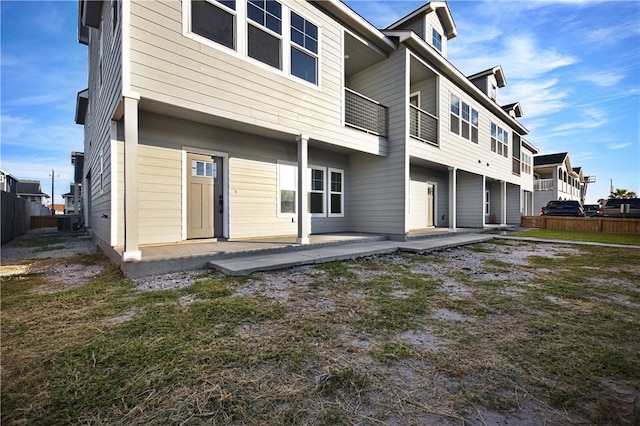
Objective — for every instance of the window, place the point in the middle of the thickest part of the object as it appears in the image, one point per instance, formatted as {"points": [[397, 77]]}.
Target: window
{"points": [[336, 193], [436, 39], [499, 140], [317, 194], [264, 31], [203, 168], [287, 187], [214, 21], [304, 49], [464, 119], [526, 163]]}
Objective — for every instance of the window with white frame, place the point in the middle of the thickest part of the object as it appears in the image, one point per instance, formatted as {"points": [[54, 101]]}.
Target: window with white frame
{"points": [[336, 192], [264, 31], [464, 119], [525, 163], [304, 49], [287, 188], [215, 20], [436, 39], [317, 193], [499, 140]]}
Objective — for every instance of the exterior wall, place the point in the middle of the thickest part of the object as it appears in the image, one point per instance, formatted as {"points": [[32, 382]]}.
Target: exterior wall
{"points": [[495, 202], [378, 182], [514, 207], [432, 21], [186, 71], [428, 90], [105, 87], [469, 200], [440, 179]]}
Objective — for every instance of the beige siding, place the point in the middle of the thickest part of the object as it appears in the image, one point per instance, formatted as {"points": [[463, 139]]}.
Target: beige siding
{"points": [[179, 70]]}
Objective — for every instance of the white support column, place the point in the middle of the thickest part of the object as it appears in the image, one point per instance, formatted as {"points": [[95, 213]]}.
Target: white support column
{"points": [[131, 250], [484, 202], [453, 184], [304, 225], [503, 203]]}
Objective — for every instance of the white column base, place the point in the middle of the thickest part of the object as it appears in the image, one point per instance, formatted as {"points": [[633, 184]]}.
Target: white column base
{"points": [[131, 256]]}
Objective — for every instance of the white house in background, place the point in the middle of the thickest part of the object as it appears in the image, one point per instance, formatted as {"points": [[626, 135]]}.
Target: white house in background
{"points": [[246, 119], [8, 183], [555, 179], [70, 199]]}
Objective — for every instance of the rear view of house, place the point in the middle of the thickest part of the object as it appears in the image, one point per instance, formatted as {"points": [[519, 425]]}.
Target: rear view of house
{"points": [[250, 118]]}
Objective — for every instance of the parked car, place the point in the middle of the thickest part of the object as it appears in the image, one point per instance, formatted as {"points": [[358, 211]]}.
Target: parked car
{"points": [[613, 208], [562, 208], [591, 210]]}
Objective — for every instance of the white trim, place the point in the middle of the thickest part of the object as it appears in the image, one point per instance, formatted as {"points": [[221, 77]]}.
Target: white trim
{"points": [[293, 215], [435, 202], [324, 191], [329, 192], [125, 20], [225, 186], [114, 184]]}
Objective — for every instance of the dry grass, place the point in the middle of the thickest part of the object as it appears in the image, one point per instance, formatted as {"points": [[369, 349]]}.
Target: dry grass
{"points": [[488, 334]]}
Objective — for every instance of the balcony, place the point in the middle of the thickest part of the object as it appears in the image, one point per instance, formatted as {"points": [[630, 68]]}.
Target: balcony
{"points": [[365, 114], [543, 184], [423, 125]]}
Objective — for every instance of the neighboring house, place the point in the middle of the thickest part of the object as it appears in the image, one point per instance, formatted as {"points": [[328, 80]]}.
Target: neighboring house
{"points": [[70, 204], [555, 179], [7, 182], [32, 190], [59, 208], [245, 119]]}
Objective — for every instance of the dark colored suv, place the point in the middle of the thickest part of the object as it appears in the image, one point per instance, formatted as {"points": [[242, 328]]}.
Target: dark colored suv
{"points": [[613, 208], [562, 208]]}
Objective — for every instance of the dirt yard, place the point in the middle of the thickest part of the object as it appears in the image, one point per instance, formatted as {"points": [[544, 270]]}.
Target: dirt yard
{"points": [[507, 333]]}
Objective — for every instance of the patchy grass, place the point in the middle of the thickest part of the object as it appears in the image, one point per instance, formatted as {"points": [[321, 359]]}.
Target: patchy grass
{"points": [[406, 339], [580, 236]]}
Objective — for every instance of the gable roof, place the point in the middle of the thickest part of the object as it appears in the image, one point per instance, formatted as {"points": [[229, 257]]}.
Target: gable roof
{"points": [[549, 159], [496, 71], [29, 187], [515, 107], [444, 15]]}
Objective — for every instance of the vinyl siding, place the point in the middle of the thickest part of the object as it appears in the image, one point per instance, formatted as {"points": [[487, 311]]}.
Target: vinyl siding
{"points": [[469, 200], [495, 202], [177, 70], [379, 188], [104, 95], [434, 22], [514, 210]]}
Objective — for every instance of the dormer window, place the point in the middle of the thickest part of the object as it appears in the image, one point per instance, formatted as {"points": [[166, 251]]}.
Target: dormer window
{"points": [[436, 39], [494, 92]]}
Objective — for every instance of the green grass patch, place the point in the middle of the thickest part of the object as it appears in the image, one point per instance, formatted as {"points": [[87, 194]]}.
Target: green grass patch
{"points": [[594, 237]]}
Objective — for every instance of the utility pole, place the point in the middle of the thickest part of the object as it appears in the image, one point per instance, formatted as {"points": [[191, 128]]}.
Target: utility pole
{"points": [[53, 202]]}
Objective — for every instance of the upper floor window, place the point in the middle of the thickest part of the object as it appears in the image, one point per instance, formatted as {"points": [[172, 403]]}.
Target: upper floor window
{"points": [[264, 32], [464, 119], [215, 20], [525, 163], [499, 140], [436, 39], [304, 49]]}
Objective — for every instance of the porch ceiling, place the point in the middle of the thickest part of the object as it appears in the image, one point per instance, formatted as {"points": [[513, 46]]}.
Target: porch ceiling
{"points": [[359, 54]]}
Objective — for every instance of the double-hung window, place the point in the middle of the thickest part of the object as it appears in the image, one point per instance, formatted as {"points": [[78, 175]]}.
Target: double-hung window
{"points": [[264, 31], [287, 188], [499, 140], [436, 39], [326, 194], [304, 49], [336, 192], [215, 20], [317, 195], [464, 119]]}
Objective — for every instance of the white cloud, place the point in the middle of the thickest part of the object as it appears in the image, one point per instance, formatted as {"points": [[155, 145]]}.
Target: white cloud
{"points": [[622, 145], [603, 78], [591, 119]]}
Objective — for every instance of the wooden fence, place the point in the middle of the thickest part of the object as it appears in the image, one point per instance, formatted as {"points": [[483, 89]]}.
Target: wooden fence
{"points": [[605, 225], [16, 214]]}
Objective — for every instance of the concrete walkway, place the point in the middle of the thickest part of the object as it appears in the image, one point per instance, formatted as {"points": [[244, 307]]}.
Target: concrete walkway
{"points": [[247, 264]]}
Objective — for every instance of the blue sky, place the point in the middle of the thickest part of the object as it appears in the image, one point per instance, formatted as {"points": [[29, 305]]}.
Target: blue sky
{"points": [[574, 66]]}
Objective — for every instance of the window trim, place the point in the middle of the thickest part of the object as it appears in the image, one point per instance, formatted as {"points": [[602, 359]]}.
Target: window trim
{"points": [[435, 32], [304, 49], [461, 121], [281, 163], [330, 192], [504, 145], [323, 192]]}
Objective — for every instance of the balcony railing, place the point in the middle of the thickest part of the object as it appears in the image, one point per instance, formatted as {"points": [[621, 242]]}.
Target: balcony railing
{"points": [[365, 114], [543, 184], [423, 125]]}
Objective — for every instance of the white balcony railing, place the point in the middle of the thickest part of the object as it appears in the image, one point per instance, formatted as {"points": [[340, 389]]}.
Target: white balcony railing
{"points": [[543, 184], [365, 114]]}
